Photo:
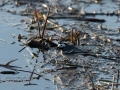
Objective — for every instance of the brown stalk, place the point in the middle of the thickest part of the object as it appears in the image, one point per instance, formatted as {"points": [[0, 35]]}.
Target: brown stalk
{"points": [[44, 27], [72, 35], [39, 28], [36, 15]]}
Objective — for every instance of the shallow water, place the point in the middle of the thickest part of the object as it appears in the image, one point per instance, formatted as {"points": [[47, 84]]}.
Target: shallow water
{"points": [[10, 51]]}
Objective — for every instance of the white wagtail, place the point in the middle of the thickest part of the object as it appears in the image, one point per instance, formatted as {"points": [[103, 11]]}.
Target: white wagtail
{"points": [[71, 51]]}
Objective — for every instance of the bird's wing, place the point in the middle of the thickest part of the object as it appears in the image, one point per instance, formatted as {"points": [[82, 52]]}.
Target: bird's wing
{"points": [[77, 50]]}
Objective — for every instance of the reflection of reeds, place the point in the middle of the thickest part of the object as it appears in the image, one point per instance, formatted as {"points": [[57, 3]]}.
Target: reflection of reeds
{"points": [[118, 78], [34, 68], [32, 73], [113, 83]]}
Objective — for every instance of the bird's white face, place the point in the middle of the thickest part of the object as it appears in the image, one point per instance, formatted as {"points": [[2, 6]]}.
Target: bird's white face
{"points": [[61, 45]]}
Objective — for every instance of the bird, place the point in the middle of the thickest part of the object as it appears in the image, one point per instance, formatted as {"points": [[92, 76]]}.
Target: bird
{"points": [[71, 51]]}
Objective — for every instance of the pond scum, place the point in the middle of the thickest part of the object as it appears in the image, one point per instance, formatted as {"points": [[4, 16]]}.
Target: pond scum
{"points": [[98, 70]]}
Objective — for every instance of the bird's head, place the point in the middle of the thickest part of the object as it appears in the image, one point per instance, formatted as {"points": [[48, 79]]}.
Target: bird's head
{"points": [[61, 45]]}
